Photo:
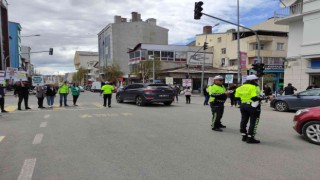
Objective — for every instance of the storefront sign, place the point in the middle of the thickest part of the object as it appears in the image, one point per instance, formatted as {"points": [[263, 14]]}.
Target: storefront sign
{"points": [[187, 82], [228, 79], [273, 67], [243, 63]]}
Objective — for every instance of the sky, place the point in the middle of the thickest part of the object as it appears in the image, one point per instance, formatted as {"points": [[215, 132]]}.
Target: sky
{"points": [[72, 25]]}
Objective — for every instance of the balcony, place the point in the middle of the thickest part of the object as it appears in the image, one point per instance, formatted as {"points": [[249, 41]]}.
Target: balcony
{"points": [[291, 13]]}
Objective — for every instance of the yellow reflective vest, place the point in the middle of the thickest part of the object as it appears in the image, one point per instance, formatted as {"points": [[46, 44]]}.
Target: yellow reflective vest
{"points": [[107, 89], [246, 92], [215, 90], [64, 89]]}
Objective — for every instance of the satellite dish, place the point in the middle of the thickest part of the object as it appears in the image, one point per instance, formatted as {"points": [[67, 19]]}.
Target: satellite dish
{"points": [[287, 3]]}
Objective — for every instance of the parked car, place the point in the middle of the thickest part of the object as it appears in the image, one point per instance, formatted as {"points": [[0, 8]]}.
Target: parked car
{"points": [[301, 100], [307, 123], [81, 89], [143, 94], [96, 86]]}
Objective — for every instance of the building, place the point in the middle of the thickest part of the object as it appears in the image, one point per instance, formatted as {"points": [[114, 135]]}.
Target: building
{"points": [[87, 60], [15, 45], [176, 61], [25, 58], [4, 36], [302, 65], [116, 38], [273, 40]]}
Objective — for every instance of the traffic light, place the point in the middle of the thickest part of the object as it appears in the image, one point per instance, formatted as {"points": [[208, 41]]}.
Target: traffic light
{"points": [[198, 9], [205, 46], [259, 68], [51, 51]]}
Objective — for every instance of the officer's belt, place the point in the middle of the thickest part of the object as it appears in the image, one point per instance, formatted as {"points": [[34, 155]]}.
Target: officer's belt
{"points": [[247, 103], [219, 101]]}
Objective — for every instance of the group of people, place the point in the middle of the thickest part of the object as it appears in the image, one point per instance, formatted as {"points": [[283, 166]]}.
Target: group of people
{"points": [[22, 89]]}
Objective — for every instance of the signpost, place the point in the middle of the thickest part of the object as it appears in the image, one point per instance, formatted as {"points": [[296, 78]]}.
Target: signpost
{"points": [[169, 80], [37, 81], [229, 79], [187, 82]]}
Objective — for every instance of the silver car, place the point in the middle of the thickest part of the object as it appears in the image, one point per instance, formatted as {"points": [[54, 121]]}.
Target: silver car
{"points": [[301, 100]]}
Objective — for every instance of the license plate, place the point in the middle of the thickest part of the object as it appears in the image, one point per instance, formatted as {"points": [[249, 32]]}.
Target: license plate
{"points": [[163, 95]]}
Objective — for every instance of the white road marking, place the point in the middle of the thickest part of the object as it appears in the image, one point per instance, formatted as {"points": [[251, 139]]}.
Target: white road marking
{"points": [[27, 169], [127, 114], [1, 138], [37, 139], [46, 116], [86, 116], [43, 124]]}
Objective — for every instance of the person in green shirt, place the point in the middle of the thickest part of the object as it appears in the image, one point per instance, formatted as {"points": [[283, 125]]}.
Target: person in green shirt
{"points": [[75, 90], [218, 96], [107, 90], [63, 91], [250, 108]]}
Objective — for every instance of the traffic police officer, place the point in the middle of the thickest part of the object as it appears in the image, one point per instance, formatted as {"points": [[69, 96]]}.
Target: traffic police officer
{"points": [[107, 90], [218, 96], [250, 107]]}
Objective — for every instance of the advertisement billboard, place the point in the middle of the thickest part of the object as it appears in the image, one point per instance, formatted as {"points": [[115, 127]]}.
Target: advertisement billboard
{"points": [[197, 59]]}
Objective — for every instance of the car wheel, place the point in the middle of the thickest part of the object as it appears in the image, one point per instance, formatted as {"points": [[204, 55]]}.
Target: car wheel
{"points": [[281, 106], [140, 101], [119, 100], [167, 103], [311, 131]]}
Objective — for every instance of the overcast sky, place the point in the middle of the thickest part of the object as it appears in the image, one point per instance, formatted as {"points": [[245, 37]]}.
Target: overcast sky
{"points": [[71, 25]]}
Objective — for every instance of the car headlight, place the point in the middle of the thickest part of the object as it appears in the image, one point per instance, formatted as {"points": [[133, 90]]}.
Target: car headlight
{"points": [[301, 111]]}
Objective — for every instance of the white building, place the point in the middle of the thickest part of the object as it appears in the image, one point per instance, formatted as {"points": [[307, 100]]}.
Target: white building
{"points": [[116, 38], [303, 60], [86, 60]]}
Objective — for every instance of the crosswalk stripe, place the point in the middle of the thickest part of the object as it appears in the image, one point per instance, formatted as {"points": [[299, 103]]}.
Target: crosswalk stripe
{"points": [[98, 105], [1, 138], [27, 169], [10, 108]]}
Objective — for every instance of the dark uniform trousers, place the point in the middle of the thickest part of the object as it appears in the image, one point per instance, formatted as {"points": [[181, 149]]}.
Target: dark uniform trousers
{"points": [[25, 98], [247, 111], [105, 97], [217, 110]]}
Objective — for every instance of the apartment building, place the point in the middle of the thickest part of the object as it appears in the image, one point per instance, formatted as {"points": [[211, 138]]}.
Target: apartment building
{"points": [[4, 36], [87, 61], [273, 41], [116, 38], [302, 65], [15, 45]]}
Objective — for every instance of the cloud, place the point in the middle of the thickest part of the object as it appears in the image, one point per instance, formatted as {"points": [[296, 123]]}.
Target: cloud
{"points": [[70, 25]]}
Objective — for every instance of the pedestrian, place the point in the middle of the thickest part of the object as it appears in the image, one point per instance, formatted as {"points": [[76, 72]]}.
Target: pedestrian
{"points": [[218, 96], [188, 92], [281, 90], [176, 92], [267, 92], [289, 89], [22, 92], [40, 94], [75, 90], [64, 91], [51, 94], [107, 90], [2, 94], [232, 91], [206, 95], [312, 86], [250, 108]]}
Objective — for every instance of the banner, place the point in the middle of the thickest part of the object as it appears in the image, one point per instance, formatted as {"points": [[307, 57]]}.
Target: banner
{"points": [[187, 82], [37, 81], [2, 76], [210, 81], [228, 79], [169, 80], [243, 63], [14, 74]]}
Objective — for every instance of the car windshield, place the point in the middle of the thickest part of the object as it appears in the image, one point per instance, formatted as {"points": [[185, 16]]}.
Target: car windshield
{"points": [[312, 92]]}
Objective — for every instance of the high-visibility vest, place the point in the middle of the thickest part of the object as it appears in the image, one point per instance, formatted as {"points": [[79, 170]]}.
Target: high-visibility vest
{"points": [[215, 90], [107, 89], [246, 92]]}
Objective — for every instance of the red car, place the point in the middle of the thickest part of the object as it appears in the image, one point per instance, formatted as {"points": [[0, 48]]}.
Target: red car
{"points": [[307, 123]]}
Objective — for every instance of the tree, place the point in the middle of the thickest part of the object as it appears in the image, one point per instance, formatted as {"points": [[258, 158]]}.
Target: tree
{"points": [[80, 75], [111, 73], [145, 69]]}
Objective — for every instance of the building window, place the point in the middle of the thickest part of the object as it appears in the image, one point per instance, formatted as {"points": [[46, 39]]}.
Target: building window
{"points": [[280, 46], [219, 39], [150, 53], [254, 46], [223, 62], [233, 62], [223, 51]]}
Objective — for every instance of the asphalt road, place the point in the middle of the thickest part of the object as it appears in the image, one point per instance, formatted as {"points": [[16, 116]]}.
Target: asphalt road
{"points": [[154, 142]]}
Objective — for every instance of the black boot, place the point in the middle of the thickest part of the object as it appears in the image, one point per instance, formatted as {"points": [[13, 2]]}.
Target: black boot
{"points": [[217, 129], [244, 137], [252, 140]]}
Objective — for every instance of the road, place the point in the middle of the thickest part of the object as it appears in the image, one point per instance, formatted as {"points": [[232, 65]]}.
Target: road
{"points": [[154, 142]]}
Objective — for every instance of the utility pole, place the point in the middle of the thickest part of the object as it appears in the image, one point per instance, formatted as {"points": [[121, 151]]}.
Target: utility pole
{"points": [[238, 42]]}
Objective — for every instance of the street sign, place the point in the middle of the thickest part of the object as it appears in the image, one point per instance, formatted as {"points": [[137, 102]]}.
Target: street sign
{"points": [[169, 80], [187, 82], [229, 78], [2, 75], [37, 81]]}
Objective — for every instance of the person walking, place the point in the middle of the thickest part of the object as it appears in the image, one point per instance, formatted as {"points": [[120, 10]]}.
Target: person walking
{"points": [[206, 95], [176, 92], [289, 89], [64, 91], [75, 90], [107, 90], [51, 94], [40, 94], [232, 90], [250, 108], [188, 92], [2, 94], [267, 92], [312, 86], [218, 96], [22, 92]]}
